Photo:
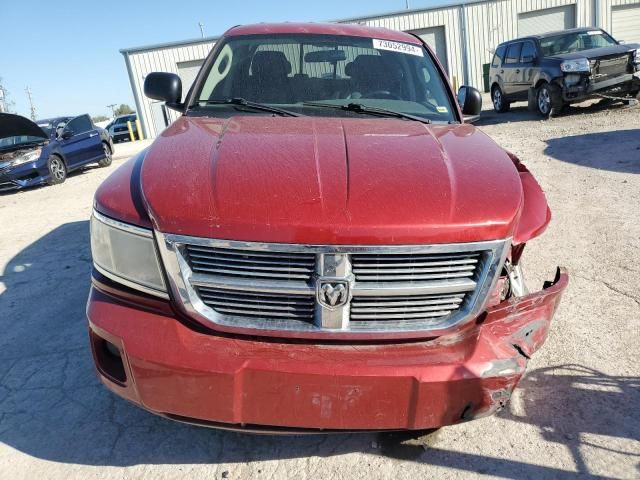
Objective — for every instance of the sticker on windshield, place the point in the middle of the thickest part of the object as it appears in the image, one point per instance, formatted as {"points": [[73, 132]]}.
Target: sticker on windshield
{"points": [[442, 109], [398, 47]]}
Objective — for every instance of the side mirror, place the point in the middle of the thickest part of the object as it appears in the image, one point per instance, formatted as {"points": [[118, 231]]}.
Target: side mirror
{"points": [[470, 101], [67, 134], [166, 87], [621, 42]]}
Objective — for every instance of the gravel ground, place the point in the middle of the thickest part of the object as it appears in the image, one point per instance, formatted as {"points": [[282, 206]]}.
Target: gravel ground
{"points": [[574, 416]]}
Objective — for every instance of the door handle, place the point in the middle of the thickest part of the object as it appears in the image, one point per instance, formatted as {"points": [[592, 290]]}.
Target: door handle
{"points": [[92, 134], [518, 70], [501, 71]]}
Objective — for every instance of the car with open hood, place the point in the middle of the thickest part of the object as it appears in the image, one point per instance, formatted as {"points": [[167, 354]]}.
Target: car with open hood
{"points": [[45, 151], [319, 243]]}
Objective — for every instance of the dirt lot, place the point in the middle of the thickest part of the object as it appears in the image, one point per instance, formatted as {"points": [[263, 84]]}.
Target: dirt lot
{"points": [[574, 416]]}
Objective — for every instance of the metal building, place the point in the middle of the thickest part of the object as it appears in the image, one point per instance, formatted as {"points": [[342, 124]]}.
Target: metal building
{"points": [[463, 36]]}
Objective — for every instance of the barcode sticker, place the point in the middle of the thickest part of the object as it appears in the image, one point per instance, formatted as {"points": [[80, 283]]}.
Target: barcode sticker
{"points": [[398, 47]]}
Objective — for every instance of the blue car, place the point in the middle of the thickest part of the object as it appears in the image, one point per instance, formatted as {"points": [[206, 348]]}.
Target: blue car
{"points": [[44, 152]]}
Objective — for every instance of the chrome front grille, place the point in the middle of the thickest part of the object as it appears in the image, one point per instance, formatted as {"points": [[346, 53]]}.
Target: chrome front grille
{"points": [[250, 264], [333, 289], [610, 67], [414, 268]]}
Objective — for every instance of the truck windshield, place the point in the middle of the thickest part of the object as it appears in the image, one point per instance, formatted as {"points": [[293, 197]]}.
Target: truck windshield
{"points": [[575, 42], [295, 71]]}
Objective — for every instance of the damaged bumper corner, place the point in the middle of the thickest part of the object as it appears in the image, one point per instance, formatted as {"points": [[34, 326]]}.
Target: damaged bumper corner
{"points": [[524, 322]]}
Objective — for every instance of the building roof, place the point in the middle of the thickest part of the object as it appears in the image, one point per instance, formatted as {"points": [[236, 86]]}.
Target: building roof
{"points": [[179, 43]]}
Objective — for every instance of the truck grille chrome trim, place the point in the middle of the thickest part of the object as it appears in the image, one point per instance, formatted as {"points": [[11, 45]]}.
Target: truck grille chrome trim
{"points": [[272, 288]]}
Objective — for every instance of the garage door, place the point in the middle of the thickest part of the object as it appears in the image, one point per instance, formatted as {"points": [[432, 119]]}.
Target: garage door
{"points": [[435, 38], [547, 20], [187, 72], [625, 23]]}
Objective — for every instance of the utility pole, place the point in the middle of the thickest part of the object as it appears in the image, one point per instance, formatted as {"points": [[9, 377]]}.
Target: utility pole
{"points": [[113, 109], [406, 3], [201, 25], [33, 109], [3, 107]]}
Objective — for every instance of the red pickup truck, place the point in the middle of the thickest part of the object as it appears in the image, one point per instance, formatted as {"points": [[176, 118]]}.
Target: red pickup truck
{"points": [[319, 243]]}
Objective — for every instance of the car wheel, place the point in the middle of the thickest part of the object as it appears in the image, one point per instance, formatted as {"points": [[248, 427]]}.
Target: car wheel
{"points": [[500, 104], [108, 155], [548, 102], [57, 170]]}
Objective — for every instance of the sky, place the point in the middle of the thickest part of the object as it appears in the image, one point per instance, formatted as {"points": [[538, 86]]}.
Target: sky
{"points": [[67, 51]]}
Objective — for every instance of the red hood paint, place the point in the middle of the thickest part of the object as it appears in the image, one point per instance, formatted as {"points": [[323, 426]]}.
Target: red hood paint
{"points": [[330, 180]]}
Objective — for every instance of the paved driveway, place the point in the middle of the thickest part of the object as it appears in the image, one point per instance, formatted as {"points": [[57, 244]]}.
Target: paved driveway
{"points": [[574, 416]]}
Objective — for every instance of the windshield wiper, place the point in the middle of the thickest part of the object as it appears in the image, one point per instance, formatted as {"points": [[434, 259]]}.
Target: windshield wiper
{"points": [[364, 109], [243, 102]]}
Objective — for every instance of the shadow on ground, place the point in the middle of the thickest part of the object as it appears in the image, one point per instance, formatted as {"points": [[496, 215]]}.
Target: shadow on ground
{"points": [[618, 150], [52, 406]]}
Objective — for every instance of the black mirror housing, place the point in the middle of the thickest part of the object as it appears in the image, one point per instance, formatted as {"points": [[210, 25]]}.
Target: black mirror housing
{"points": [[67, 134], [470, 101], [164, 86]]}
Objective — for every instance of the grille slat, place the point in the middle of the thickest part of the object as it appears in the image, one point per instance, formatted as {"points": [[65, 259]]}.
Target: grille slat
{"points": [[253, 260], [227, 264]]}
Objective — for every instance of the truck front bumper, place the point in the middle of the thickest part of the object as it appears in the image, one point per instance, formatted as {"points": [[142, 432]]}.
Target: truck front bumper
{"points": [[586, 89], [160, 363]]}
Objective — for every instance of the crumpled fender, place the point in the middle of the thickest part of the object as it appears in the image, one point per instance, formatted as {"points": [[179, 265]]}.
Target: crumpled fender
{"points": [[535, 215]]}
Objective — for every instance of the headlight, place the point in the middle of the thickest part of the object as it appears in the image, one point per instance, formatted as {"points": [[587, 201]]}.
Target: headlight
{"points": [[27, 157], [579, 65], [126, 254], [636, 57]]}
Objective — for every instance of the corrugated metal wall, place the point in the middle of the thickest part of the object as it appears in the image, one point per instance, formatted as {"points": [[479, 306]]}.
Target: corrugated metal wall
{"points": [[475, 27]]}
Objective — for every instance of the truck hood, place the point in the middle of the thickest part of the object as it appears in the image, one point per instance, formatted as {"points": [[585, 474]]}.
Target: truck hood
{"points": [[14, 125], [595, 53], [329, 181]]}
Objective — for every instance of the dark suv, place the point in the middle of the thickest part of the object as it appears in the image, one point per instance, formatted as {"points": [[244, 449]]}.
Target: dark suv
{"points": [[555, 69]]}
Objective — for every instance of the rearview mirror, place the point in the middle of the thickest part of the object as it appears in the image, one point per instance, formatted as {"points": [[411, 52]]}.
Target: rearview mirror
{"points": [[329, 56], [166, 87], [470, 101]]}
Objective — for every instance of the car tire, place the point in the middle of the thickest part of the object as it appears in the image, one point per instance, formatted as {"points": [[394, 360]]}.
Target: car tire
{"points": [[549, 101], [57, 170], [108, 156], [500, 104]]}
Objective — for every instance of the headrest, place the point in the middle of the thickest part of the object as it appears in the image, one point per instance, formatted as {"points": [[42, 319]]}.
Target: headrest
{"points": [[270, 64]]}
